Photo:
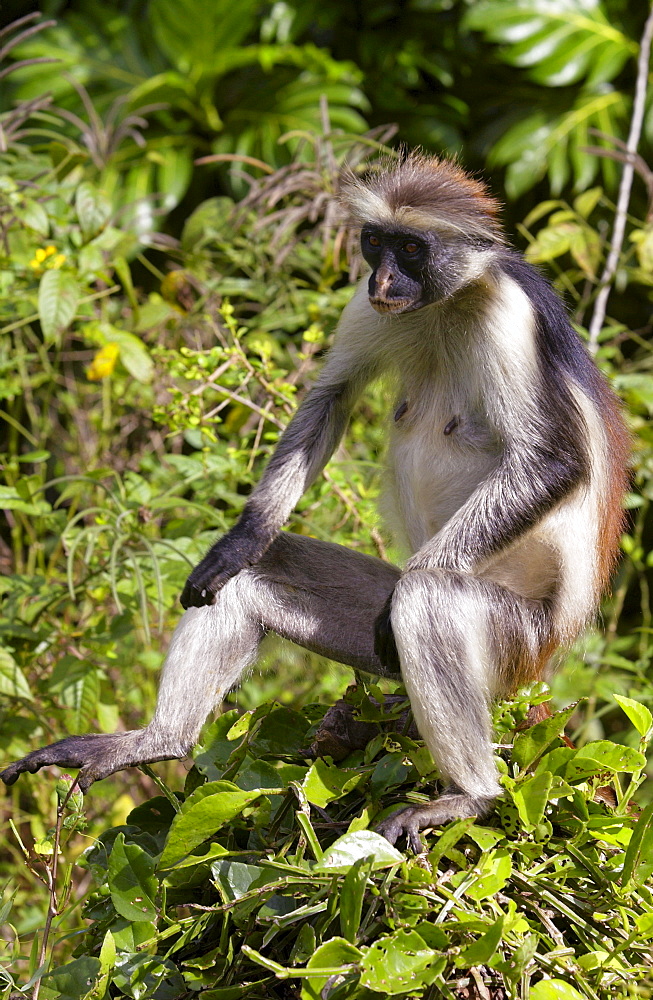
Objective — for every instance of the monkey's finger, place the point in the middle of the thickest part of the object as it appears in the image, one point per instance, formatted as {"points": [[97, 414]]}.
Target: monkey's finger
{"points": [[196, 596]]}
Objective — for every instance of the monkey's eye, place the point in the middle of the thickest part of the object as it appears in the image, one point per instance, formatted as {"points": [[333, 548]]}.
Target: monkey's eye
{"points": [[410, 248], [374, 241]]}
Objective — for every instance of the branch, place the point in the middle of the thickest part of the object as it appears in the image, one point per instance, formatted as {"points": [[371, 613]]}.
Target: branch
{"points": [[625, 186]]}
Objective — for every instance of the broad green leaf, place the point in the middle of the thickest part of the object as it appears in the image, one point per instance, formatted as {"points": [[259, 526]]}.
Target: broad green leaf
{"points": [[205, 812], [533, 742], [281, 732], [393, 964], [33, 215], [133, 352], [558, 43], [57, 302], [74, 980], [326, 782], [496, 868], [132, 882], [331, 955], [637, 388], [586, 202], [603, 755], [11, 499], [639, 714], [235, 878], [93, 209], [531, 798], [554, 989], [361, 844], [145, 977], [12, 679]]}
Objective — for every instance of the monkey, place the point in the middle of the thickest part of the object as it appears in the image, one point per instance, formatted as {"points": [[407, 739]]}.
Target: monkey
{"points": [[506, 469]]}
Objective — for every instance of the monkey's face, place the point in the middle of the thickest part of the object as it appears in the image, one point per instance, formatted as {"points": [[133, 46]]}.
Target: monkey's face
{"points": [[410, 270]]}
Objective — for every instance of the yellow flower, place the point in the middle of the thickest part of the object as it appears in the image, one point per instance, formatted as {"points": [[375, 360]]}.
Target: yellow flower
{"points": [[42, 254], [103, 363]]}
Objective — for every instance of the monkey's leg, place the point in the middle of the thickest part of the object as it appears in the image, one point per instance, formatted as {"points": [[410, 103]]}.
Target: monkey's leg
{"points": [[321, 595], [458, 637], [208, 652]]}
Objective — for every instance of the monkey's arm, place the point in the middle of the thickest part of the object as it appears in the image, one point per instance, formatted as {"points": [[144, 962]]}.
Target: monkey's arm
{"points": [[528, 482], [303, 451]]}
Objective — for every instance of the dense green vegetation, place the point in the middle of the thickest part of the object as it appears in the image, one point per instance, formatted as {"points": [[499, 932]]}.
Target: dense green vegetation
{"points": [[159, 319]]}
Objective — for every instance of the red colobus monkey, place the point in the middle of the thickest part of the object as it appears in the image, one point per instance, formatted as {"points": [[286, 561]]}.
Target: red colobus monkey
{"points": [[506, 472]]}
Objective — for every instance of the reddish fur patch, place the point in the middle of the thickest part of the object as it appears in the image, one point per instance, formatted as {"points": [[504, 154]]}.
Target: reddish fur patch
{"points": [[612, 516]]}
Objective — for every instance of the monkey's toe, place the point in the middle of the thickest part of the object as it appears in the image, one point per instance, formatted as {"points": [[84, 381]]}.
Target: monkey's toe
{"points": [[451, 805], [96, 755]]}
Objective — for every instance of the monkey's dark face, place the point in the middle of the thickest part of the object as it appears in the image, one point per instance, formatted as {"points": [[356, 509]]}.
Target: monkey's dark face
{"points": [[410, 270]]}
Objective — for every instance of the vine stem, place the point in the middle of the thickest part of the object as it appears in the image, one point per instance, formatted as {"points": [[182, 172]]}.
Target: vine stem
{"points": [[51, 879], [625, 185]]}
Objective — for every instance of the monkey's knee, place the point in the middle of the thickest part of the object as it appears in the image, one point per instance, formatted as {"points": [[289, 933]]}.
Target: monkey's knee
{"points": [[426, 607]]}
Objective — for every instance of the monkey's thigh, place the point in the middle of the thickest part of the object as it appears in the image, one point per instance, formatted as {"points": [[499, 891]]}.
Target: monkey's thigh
{"points": [[324, 597]]}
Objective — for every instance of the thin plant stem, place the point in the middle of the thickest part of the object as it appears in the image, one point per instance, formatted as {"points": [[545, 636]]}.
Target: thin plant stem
{"points": [[625, 186], [51, 876]]}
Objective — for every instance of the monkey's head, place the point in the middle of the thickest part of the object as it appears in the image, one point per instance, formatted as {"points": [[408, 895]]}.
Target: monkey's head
{"points": [[427, 229]]}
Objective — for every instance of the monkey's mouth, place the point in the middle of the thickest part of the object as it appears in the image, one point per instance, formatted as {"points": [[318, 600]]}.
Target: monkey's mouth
{"points": [[392, 305]]}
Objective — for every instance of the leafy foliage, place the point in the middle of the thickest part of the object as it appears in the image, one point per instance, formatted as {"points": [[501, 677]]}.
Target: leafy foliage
{"points": [[144, 379], [262, 872]]}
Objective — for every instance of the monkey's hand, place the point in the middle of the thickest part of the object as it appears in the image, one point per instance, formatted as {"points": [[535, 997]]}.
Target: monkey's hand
{"points": [[236, 550], [385, 646]]}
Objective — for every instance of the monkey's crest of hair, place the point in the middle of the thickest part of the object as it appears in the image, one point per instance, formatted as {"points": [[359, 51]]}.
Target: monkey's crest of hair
{"points": [[423, 193]]}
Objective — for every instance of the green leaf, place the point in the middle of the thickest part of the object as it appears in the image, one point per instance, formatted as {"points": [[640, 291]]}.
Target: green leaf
{"points": [[639, 714], [638, 861], [531, 798], [586, 202], [359, 844], [11, 499], [57, 302], [33, 215], [192, 32], [496, 869], [481, 951], [533, 742], [133, 352], [132, 882], [235, 878], [637, 388], [208, 809], [93, 209], [603, 755], [326, 782], [558, 43], [333, 954], [12, 679], [394, 964], [351, 897], [554, 989], [74, 980]]}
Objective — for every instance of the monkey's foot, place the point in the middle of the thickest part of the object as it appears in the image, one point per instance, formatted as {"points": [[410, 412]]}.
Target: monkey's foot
{"points": [[450, 805], [97, 755]]}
